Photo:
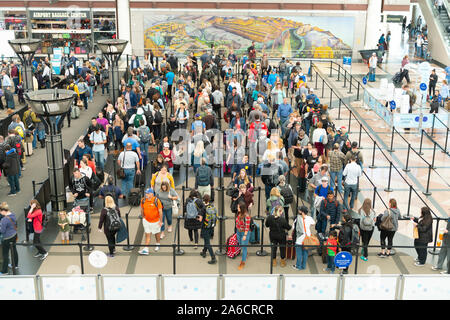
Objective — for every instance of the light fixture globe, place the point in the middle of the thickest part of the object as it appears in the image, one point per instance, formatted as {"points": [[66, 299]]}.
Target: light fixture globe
{"points": [[112, 46], [50, 102]]}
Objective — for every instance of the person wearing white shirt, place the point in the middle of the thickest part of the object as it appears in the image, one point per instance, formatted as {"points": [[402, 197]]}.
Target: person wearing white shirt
{"points": [[46, 75], [302, 226], [373, 63], [235, 84], [352, 172], [7, 92], [419, 43]]}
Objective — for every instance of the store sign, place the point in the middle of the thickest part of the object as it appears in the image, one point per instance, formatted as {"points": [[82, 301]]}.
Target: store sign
{"points": [[60, 14]]}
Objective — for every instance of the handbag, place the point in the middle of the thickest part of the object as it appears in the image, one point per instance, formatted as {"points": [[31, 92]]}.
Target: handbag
{"points": [[416, 232], [387, 223], [174, 207], [309, 240], [121, 171]]}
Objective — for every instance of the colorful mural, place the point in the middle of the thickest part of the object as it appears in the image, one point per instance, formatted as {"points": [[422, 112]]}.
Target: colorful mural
{"points": [[279, 36]]}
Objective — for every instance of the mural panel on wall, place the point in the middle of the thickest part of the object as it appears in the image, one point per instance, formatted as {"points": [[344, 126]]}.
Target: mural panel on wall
{"points": [[278, 36]]}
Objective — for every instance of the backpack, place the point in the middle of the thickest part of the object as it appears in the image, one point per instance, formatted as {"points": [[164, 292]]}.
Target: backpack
{"points": [[355, 235], [210, 217], [358, 162], [137, 118], [366, 223], [314, 118], [325, 203], [191, 209], [287, 194], [105, 74], [19, 130], [144, 133], [271, 179], [257, 131], [29, 122], [92, 81], [203, 176], [274, 204], [158, 117], [112, 220], [149, 117], [283, 66]]}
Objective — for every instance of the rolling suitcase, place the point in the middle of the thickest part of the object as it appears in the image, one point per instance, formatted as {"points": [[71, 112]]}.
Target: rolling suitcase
{"points": [[134, 197], [28, 146], [290, 250], [371, 77], [233, 252], [254, 235]]}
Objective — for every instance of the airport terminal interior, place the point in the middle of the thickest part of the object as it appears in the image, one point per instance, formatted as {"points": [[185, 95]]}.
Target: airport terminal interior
{"points": [[294, 150]]}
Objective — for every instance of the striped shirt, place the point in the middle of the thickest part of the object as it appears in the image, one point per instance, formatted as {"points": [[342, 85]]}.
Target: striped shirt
{"points": [[243, 225]]}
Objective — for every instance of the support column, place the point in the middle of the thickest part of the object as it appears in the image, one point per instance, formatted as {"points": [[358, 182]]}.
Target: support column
{"points": [[373, 24], [123, 23]]}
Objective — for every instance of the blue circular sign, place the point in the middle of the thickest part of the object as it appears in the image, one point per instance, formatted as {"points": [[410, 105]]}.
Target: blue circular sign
{"points": [[343, 260], [416, 119], [425, 119], [364, 80], [392, 103], [423, 86]]}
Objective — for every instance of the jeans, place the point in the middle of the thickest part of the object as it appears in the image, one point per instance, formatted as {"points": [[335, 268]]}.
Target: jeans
{"points": [[6, 249], [128, 181], [333, 175], [419, 52], [106, 85], [99, 158], [144, 147], [330, 263], [353, 188], [421, 252], [372, 70], [243, 244], [207, 234], [37, 243], [35, 138], [442, 256], [16, 83], [14, 184], [85, 100], [167, 214], [365, 239], [91, 93], [302, 257]]}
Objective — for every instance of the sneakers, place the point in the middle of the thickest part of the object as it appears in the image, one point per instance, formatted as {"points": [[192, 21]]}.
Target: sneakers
{"points": [[11, 194], [157, 247], [295, 267], [203, 254], [37, 255], [381, 255], [109, 255], [435, 268], [44, 256], [212, 261], [144, 252], [196, 247], [283, 263], [418, 264], [443, 272], [169, 229], [416, 260], [162, 236], [363, 258]]}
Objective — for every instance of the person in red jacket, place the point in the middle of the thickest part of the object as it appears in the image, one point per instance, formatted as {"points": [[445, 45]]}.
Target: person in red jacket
{"points": [[36, 217], [331, 251], [256, 128]]}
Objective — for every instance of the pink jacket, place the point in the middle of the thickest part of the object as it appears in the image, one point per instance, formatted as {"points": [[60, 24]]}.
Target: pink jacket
{"points": [[37, 223]]}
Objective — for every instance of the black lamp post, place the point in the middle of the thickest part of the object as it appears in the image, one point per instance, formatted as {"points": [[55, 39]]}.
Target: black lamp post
{"points": [[51, 106], [25, 50], [112, 49]]}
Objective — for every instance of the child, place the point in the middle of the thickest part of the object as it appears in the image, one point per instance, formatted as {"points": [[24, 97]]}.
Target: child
{"points": [[332, 250], [63, 223]]}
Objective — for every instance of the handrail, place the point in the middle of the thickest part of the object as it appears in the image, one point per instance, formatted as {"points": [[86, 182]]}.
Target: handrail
{"points": [[314, 67]]}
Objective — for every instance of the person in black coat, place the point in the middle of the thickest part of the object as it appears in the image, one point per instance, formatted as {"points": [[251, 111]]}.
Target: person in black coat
{"points": [[345, 235], [11, 169], [278, 226], [194, 224], [110, 235], [424, 226]]}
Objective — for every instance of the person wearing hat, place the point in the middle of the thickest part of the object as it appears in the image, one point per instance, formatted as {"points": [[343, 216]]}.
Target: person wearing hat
{"points": [[168, 156], [198, 126], [320, 185], [302, 227], [152, 215], [352, 172], [135, 118]]}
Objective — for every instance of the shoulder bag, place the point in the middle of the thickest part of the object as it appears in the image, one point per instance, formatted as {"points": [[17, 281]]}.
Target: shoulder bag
{"points": [[309, 241], [121, 171], [387, 223]]}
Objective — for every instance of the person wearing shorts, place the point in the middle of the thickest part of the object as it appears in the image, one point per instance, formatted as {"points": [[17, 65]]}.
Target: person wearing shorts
{"points": [[151, 212]]}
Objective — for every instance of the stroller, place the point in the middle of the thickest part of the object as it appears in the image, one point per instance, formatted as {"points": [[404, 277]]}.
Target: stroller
{"points": [[79, 219]]}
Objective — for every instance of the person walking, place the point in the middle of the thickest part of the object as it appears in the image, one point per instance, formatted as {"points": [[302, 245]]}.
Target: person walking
{"points": [[337, 162], [151, 214], [345, 236], [194, 208], [204, 179], [98, 140], [107, 215], [302, 228], [36, 217], [367, 218], [424, 225], [278, 226], [242, 231], [129, 161], [208, 220], [388, 228], [167, 196], [351, 173], [8, 230]]}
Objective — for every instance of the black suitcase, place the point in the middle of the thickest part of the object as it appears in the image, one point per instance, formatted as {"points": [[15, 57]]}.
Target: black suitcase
{"points": [[139, 180], [134, 198]]}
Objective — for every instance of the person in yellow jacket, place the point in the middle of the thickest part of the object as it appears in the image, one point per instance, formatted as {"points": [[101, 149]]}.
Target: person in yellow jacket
{"points": [[72, 86], [38, 130], [160, 176]]}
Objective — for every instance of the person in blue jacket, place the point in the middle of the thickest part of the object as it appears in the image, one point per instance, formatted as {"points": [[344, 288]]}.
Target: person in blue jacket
{"points": [[8, 229]]}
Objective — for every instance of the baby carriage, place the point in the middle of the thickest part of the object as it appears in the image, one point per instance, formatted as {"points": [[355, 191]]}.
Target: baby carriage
{"points": [[79, 218]]}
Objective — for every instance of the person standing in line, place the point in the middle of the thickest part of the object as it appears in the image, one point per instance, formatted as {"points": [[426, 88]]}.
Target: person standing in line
{"points": [[242, 231], [372, 66], [367, 218], [444, 253], [36, 217], [332, 249], [204, 179], [8, 229], [167, 196], [64, 227], [129, 161], [424, 225], [302, 228], [278, 226], [11, 169], [351, 173], [337, 160], [98, 140], [151, 214], [345, 236], [105, 215], [393, 213], [208, 217], [432, 83], [194, 208]]}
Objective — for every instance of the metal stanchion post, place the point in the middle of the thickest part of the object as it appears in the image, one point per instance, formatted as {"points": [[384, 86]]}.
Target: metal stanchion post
{"points": [[13, 260], [259, 201], [345, 78], [446, 142], [323, 87], [331, 99], [221, 251], [128, 247], [421, 140], [80, 249], [356, 256], [434, 155], [427, 192], [357, 92], [34, 188], [262, 252], [88, 247], [374, 196], [389, 189], [391, 149], [372, 166], [349, 121], [187, 175], [409, 199], [359, 139], [179, 251], [271, 255], [315, 88], [339, 73], [331, 69], [407, 159], [174, 259], [339, 110], [436, 234], [350, 85]]}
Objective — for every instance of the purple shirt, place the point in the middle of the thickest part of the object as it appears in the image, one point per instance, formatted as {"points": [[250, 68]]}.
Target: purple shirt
{"points": [[103, 122]]}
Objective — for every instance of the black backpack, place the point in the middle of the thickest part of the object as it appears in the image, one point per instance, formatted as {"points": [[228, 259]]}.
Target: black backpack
{"points": [[158, 117], [149, 117], [112, 220], [287, 194]]}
